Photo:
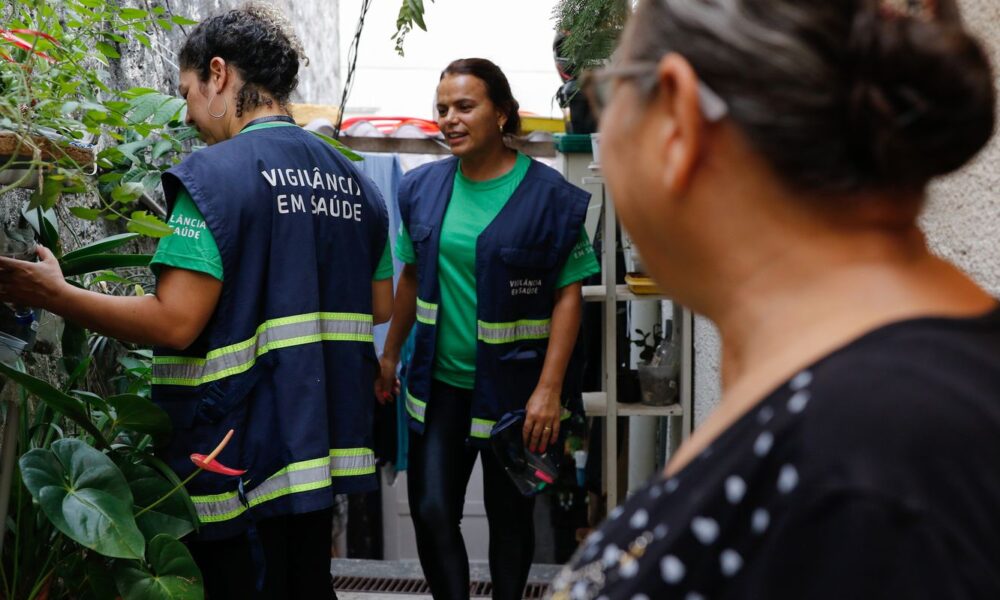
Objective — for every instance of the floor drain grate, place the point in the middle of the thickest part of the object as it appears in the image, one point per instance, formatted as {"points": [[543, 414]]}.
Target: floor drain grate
{"points": [[395, 585]]}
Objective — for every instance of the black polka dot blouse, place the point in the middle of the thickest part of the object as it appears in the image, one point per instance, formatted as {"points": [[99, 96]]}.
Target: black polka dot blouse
{"points": [[873, 474]]}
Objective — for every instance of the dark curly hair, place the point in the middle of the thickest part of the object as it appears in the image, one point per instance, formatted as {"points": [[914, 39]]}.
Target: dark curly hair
{"points": [[258, 42]]}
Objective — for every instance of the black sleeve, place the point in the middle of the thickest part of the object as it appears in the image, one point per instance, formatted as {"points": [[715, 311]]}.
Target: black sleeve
{"points": [[855, 547]]}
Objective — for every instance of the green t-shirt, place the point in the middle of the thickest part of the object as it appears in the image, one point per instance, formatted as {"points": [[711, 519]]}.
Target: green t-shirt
{"points": [[192, 246], [473, 206]]}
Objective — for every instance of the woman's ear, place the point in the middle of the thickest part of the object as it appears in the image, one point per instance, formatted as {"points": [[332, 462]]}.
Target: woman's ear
{"points": [[218, 72], [677, 99]]}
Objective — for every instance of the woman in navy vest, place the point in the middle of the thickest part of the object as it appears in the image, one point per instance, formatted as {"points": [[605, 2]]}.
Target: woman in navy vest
{"points": [[262, 317], [495, 250], [770, 158]]}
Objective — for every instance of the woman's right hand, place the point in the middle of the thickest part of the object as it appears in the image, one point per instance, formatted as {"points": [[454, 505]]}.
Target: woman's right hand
{"points": [[386, 384]]}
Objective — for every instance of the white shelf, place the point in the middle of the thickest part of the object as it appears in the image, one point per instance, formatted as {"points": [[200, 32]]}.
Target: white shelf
{"points": [[598, 293], [595, 404], [605, 403]]}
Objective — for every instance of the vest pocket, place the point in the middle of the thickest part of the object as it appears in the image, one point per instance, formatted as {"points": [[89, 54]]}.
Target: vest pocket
{"points": [[520, 369]]}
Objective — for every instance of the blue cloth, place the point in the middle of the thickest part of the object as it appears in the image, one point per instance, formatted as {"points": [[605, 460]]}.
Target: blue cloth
{"points": [[386, 172]]}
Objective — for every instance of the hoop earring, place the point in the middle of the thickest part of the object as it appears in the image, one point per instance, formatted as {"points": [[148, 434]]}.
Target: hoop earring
{"points": [[224, 110]]}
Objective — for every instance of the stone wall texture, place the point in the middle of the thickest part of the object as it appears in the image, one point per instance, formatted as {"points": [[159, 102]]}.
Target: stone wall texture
{"points": [[962, 220]]}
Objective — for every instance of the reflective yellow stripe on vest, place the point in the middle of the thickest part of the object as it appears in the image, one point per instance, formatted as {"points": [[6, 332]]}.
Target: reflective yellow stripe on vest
{"points": [[297, 477], [426, 312], [273, 334], [514, 331], [416, 407], [481, 428]]}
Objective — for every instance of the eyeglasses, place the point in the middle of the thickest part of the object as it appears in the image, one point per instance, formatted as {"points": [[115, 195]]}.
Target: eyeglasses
{"points": [[598, 85]]}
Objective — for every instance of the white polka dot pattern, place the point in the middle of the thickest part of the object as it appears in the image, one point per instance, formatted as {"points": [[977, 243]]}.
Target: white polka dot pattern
{"points": [[672, 569], [731, 562], [706, 529], [735, 489], [788, 478], [639, 519], [763, 444]]}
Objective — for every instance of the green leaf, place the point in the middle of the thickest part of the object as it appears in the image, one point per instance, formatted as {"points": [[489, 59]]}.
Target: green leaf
{"points": [[74, 346], [160, 148], [151, 181], [135, 413], [148, 486], [133, 13], [101, 246], [343, 149], [146, 105], [110, 277], [168, 111], [57, 400], [46, 196], [169, 573], [85, 496], [163, 469], [127, 192], [101, 262], [107, 50], [88, 214], [138, 91], [165, 24], [417, 13], [131, 148], [94, 400], [179, 20], [147, 224]]}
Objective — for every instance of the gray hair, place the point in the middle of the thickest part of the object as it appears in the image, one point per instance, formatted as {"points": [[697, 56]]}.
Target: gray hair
{"points": [[838, 95]]}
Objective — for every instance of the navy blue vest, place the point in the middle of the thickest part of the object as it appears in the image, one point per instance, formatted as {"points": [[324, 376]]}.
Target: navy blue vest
{"points": [[518, 259], [287, 359]]}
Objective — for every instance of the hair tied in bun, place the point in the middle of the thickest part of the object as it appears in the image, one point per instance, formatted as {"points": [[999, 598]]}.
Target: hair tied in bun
{"points": [[921, 10]]}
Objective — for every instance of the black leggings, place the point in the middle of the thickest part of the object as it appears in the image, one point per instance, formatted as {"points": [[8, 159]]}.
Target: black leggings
{"points": [[440, 465], [296, 560]]}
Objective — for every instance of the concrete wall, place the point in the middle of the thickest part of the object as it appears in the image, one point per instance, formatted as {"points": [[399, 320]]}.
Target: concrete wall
{"points": [[315, 22], [962, 220]]}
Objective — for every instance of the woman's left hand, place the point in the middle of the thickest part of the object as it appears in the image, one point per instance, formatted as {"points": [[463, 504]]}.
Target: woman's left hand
{"points": [[541, 420]]}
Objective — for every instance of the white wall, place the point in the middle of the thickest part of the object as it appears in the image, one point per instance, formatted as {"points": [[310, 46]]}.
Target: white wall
{"points": [[515, 34], [962, 220]]}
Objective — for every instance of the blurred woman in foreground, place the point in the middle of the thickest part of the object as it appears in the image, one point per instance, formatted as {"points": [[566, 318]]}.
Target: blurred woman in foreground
{"points": [[770, 159]]}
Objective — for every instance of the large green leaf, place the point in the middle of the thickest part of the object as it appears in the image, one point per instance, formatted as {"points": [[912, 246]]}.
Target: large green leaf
{"points": [[170, 516], [147, 224], [163, 469], [143, 107], [67, 405], [101, 246], [139, 414], [85, 496], [169, 573], [168, 111], [101, 262]]}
